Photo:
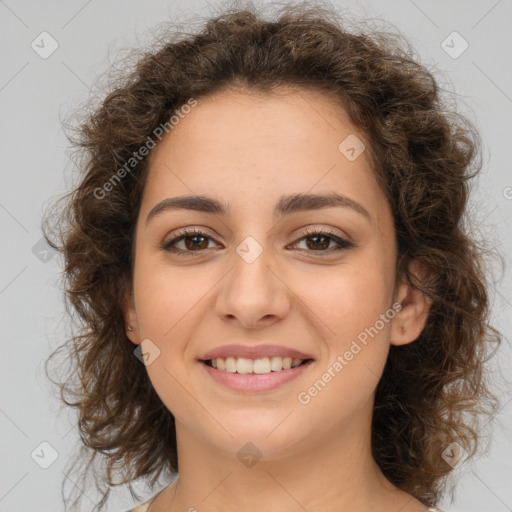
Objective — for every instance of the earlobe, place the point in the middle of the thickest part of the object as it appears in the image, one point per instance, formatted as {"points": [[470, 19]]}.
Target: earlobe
{"points": [[130, 318], [412, 318]]}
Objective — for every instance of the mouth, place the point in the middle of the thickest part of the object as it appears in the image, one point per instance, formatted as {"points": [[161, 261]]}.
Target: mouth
{"points": [[254, 375], [251, 367], [260, 366]]}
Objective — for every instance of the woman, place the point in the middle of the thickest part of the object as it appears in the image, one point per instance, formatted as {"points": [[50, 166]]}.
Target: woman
{"points": [[280, 302]]}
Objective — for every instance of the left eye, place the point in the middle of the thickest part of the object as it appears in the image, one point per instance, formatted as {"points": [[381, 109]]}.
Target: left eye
{"points": [[316, 241], [321, 240]]}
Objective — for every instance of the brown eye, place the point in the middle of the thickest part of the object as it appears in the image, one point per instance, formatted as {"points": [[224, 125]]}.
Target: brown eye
{"points": [[320, 240], [193, 241]]}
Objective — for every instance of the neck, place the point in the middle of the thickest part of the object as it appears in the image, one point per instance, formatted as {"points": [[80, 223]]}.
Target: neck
{"points": [[340, 474]]}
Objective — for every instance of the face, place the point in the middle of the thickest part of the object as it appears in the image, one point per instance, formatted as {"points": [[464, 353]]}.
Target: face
{"points": [[315, 276]]}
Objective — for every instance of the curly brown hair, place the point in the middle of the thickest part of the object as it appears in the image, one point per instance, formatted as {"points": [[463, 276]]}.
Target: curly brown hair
{"points": [[433, 391]]}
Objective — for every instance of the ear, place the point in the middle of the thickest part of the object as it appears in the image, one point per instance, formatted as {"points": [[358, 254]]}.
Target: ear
{"points": [[130, 316], [412, 318]]}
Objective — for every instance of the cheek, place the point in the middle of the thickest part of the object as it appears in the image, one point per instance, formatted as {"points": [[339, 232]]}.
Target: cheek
{"points": [[165, 297], [353, 304], [347, 299], [162, 307], [166, 317]]}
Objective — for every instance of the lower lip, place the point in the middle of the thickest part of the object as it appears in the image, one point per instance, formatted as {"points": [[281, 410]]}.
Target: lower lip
{"points": [[255, 382]]}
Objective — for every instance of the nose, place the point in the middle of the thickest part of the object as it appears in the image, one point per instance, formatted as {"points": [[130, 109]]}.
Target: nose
{"points": [[253, 293]]}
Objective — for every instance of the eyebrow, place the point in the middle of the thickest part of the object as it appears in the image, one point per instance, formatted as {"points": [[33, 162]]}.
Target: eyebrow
{"points": [[285, 206]]}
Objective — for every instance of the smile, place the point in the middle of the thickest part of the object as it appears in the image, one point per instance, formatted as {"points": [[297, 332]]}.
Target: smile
{"points": [[259, 366], [254, 375]]}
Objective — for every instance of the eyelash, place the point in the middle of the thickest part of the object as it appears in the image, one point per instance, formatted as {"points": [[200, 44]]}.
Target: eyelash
{"points": [[187, 233]]}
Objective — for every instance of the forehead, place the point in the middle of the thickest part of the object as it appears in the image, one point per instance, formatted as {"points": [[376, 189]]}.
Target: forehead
{"points": [[241, 121], [250, 148]]}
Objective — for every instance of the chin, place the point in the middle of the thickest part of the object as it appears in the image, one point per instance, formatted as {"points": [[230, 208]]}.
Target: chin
{"points": [[267, 441]]}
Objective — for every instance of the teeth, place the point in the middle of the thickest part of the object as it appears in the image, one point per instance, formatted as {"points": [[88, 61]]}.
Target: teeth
{"points": [[231, 364], [243, 365], [276, 364], [260, 366]]}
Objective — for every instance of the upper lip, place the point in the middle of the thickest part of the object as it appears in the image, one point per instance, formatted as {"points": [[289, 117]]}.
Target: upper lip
{"points": [[253, 352]]}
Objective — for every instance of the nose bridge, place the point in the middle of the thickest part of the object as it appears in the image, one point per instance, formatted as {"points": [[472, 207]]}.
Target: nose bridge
{"points": [[252, 291], [252, 262]]}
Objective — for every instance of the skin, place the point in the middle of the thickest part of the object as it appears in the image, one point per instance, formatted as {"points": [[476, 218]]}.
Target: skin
{"points": [[248, 149]]}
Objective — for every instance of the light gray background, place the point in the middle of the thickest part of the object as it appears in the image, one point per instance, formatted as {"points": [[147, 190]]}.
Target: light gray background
{"points": [[35, 94]]}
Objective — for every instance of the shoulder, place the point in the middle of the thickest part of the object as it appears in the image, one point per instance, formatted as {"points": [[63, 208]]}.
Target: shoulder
{"points": [[141, 508], [144, 506]]}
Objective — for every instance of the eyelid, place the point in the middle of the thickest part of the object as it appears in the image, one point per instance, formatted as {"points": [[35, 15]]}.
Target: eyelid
{"points": [[327, 230], [343, 241], [191, 230]]}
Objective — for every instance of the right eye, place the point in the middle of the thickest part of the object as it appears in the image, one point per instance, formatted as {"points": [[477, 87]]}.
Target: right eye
{"points": [[194, 240]]}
